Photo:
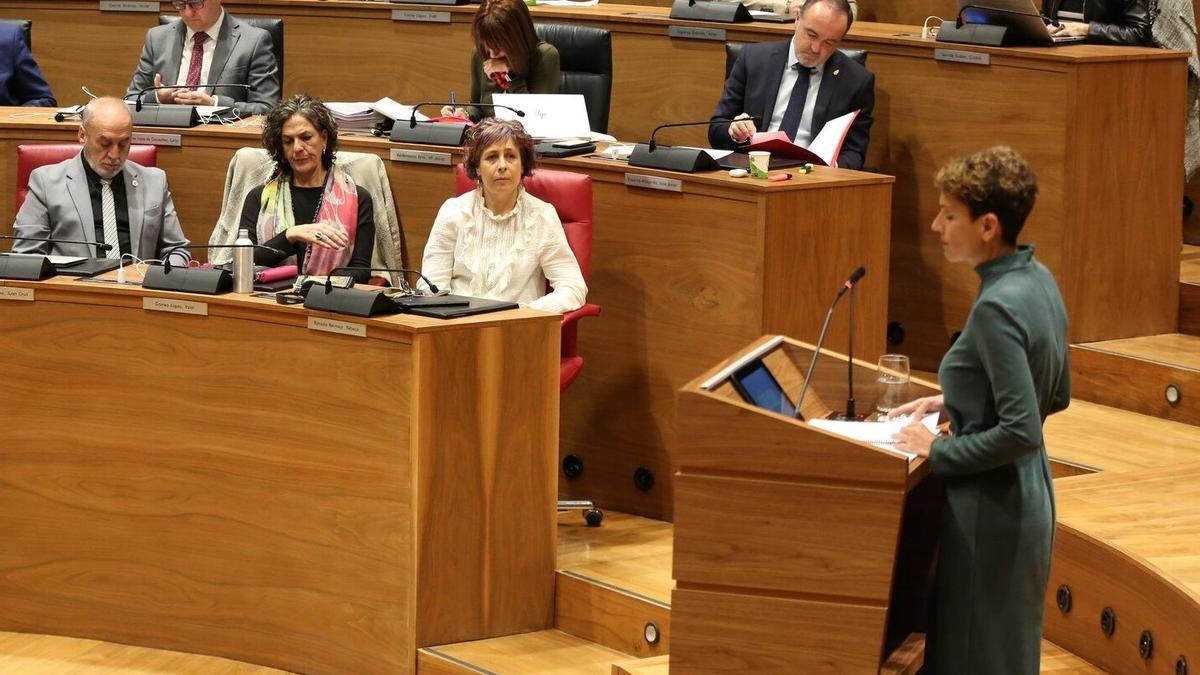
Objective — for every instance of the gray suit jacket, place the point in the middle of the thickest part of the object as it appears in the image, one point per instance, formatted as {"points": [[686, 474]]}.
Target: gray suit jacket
{"points": [[243, 56], [59, 206]]}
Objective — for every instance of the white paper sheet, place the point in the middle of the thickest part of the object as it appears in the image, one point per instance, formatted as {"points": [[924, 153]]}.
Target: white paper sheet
{"points": [[880, 434], [547, 115]]}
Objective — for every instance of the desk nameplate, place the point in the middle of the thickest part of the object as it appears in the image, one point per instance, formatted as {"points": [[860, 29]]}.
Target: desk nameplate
{"points": [[165, 140], [335, 326], [175, 306], [421, 157], [14, 293], [962, 56], [653, 182], [129, 6], [420, 16], [692, 33]]}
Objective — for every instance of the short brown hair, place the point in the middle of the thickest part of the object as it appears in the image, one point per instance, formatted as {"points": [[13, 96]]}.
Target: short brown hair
{"points": [[490, 132], [311, 109], [505, 26], [842, 6], [996, 180]]}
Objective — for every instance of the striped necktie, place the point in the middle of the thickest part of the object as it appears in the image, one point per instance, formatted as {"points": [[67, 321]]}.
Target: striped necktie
{"points": [[108, 209]]}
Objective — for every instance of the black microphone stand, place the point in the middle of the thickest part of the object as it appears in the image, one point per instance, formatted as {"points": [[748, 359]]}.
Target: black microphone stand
{"points": [[651, 155], [171, 114], [211, 281], [37, 267], [437, 133], [355, 302]]}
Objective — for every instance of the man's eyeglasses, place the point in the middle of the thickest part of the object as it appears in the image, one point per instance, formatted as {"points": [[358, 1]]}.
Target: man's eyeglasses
{"points": [[190, 4]]}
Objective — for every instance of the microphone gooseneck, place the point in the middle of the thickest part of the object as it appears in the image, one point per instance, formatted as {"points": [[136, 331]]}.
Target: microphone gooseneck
{"points": [[412, 119], [402, 270], [848, 284], [716, 120], [138, 102], [101, 247]]}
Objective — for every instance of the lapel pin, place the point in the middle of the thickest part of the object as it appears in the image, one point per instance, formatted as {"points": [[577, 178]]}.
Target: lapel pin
{"points": [[134, 182], [837, 72]]}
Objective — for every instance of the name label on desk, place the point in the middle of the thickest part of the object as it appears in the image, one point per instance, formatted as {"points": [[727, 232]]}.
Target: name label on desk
{"points": [[962, 56], [176, 306], [421, 157], [128, 6], [12, 293], [692, 33], [167, 140], [653, 182], [335, 326], [417, 15]]}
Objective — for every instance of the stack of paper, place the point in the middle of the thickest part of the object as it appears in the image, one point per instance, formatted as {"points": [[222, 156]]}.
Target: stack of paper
{"points": [[358, 115], [880, 434], [396, 111]]}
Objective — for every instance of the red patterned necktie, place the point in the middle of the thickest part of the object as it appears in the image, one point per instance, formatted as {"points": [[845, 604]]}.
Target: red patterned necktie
{"points": [[197, 62]]}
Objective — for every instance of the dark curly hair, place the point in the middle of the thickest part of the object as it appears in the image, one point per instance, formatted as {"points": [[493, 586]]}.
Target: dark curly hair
{"points": [[310, 108], [996, 180], [491, 131]]}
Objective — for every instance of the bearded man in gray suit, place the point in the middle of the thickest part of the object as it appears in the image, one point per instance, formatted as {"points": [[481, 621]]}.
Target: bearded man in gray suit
{"points": [[100, 196], [208, 46]]}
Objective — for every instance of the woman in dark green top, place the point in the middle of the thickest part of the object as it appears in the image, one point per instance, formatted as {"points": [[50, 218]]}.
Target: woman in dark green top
{"points": [[1005, 373], [508, 57]]}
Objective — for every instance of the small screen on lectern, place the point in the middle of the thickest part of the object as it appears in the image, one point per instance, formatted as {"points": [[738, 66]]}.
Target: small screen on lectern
{"points": [[759, 387]]}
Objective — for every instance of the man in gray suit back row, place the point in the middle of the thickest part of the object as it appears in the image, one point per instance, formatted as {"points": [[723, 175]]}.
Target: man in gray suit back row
{"points": [[209, 46]]}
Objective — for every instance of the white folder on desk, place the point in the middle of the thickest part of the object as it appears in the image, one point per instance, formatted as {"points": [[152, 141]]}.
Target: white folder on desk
{"points": [[547, 116]]}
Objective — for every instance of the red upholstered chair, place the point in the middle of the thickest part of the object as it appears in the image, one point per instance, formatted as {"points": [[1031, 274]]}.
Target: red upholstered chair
{"points": [[30, 157], [571, 196]]}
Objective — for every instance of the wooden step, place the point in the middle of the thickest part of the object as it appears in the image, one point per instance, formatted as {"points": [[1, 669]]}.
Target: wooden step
{"points": [[31, 654], [1058, 661], [655, 665], [539, 653], [1189, 290], [614, 583], [1135, 374]]}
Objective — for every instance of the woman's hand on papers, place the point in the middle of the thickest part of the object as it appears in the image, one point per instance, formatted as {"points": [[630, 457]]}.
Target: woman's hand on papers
{"points": [[915, 437]]}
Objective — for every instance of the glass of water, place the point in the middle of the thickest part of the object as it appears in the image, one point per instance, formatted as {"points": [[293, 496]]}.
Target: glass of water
{"points": [[892, 382]]}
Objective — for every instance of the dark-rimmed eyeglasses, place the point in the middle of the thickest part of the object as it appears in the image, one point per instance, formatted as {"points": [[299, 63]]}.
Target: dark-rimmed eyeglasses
{"points": [[190, 4]]}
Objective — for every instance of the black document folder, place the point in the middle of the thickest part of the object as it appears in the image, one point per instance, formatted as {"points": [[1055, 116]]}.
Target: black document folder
{"points": [[467, 306], [740, 160], [89, 267]]}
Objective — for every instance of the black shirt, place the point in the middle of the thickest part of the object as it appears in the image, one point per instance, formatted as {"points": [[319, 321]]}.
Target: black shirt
{"points": [[122, 207], [304, 210]]}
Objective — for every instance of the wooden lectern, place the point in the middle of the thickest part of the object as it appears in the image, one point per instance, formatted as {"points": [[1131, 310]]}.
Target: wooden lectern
{"points": [[796, 550]]}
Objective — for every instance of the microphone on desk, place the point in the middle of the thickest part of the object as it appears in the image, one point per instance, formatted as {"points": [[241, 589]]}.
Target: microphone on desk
{"points": [[35, 266], [206, 85], [847, 285], [688, 160], [437, 133], [101, 247], [402, 270], [168, 277]]}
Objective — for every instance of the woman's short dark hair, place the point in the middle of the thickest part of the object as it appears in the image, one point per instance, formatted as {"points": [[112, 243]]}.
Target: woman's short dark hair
{"points": [[996, 180], [311, 109], [506, 26], [490, 132]]}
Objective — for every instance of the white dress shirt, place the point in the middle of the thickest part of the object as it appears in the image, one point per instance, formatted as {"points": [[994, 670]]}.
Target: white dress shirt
{"points": [[804, 134], [210, 48], [508, 256]]}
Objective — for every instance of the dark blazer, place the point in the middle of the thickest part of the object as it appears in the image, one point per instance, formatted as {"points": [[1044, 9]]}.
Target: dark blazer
{"points": [[1112, 22], [754, 83], [243, 56], [21, 81]]}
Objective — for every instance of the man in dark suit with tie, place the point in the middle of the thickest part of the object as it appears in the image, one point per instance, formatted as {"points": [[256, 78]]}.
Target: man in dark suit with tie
{"points": [[21, 81], [797, 86], [207, 45]]}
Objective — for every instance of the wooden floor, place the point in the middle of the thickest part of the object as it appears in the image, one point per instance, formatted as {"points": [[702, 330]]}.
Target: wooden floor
{"points": [[1114, 440], [629, 552], [22, 654]]}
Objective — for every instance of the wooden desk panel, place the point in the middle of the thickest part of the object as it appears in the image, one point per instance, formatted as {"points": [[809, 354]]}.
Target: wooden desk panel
{"points": [[200, 483]]}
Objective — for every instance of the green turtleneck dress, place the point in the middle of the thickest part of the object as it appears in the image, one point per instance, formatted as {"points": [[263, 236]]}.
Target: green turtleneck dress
{"points": [[1008, 370]]}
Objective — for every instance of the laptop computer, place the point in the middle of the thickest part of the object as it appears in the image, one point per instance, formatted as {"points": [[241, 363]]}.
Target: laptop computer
{"points": [[1025, 24]]}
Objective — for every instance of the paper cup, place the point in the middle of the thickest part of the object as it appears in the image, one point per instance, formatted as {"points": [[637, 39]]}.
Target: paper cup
{"points": [[760, 163]]}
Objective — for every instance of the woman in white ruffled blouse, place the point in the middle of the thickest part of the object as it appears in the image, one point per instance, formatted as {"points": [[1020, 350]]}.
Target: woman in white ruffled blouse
{"points": [[498, 241]]}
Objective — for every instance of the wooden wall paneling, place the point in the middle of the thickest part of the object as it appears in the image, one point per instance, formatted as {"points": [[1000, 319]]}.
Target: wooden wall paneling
{"points": [[271, 538], [728, 633], [1120, 266], [909, 12], [814, 240], [928, 112], [1138, 383], [679, 280], [486, 492], [765, 535]]}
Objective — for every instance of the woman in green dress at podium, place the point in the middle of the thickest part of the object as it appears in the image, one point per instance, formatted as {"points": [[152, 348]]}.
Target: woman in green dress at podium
{"points": [[1007, 371]]}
